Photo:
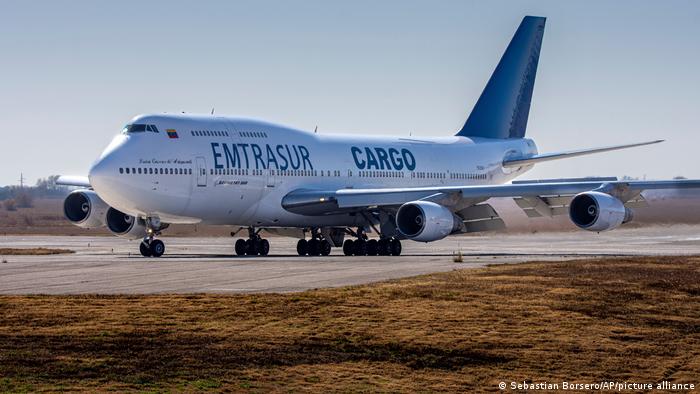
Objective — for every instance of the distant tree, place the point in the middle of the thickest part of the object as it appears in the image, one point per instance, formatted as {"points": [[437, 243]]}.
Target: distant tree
{"points": [[24, 200], [47, 187], [10, 205]]}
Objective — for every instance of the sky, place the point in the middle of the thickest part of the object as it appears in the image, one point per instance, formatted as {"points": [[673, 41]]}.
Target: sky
{"points": [[610, 72]]}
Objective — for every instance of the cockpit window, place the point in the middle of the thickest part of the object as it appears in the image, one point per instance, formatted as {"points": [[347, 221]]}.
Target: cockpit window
{"points": [[140, 128]]}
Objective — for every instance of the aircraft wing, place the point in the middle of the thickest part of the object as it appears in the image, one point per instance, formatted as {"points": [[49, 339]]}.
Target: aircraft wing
{"points": [[542, 197], [73, 180]]}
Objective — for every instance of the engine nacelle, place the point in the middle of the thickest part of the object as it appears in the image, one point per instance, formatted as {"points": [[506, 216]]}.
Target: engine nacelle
{"points": [[596, 211], [85, 209], [426, 221], [124, 225]]}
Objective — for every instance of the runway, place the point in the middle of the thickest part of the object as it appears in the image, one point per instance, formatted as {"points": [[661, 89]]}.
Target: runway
{"points": [[110, 265]]}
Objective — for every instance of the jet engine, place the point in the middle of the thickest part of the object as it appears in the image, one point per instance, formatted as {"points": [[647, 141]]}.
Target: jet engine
{"points": [[85, 209], [596, 211], [125, 225], [426, 221]]}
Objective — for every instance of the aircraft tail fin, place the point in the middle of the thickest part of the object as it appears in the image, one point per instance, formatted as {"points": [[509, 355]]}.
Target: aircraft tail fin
{"points": [[503, 107]]}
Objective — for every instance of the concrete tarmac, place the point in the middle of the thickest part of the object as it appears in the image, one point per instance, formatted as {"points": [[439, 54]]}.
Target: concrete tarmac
{"points": [[110, 265]]}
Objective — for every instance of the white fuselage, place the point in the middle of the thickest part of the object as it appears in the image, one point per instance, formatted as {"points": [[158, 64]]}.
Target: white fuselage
{"points": [[233, 171]]}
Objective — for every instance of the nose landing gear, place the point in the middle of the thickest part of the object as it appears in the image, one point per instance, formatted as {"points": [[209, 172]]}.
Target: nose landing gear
{"points": [[254, 245], [149, 246]]}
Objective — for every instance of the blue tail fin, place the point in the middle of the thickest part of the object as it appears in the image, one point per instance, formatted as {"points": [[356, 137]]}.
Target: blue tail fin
{"points": [[504, 105]]}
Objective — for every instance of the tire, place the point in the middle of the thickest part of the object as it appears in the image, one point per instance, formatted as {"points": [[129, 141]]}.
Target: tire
{"points": [[395, 246], [372, 247], [240, 247], [314, 247], [360, 248], [302, 247], [157, 248], [263, 247], [250, 249], [325, 248], [383, 247], [348, 247], [145, 249]]}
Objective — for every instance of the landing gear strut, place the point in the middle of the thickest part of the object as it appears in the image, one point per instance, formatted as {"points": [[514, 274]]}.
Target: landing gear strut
{"points": [[254, 245], [363, 246], [316, 246]]}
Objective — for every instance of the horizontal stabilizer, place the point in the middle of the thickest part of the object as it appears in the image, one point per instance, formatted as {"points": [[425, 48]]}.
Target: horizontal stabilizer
{"points": [[518, 162]]}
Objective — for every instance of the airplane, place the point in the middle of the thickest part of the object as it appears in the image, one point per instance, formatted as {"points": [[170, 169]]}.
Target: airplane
{"points": [[231, 171]]}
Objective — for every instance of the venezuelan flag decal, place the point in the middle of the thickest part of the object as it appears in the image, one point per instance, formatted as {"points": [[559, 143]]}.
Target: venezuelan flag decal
{"points": [[171, 133]]}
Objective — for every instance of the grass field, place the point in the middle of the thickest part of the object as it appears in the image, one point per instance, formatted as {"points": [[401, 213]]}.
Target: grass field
{"points": [[633, 319]]}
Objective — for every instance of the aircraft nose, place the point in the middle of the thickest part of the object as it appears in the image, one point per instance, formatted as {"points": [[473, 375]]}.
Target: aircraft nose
{"points": [[105, 170], [100, 174]]}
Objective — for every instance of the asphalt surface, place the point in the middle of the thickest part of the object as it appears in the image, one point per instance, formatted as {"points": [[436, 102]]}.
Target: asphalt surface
{"points": [[110, 265]]}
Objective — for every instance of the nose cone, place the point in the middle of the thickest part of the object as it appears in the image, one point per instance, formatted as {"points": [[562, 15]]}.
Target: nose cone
{"points": [[104, 172]]}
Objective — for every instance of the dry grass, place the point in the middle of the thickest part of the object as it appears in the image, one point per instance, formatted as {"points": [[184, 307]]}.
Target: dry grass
{"points": [[626, 319], [33, 251]]}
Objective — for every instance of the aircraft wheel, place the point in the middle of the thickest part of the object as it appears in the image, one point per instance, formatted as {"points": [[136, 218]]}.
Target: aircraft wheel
{"points": [[360, 248], [250, 249], [383, 247], [325, 247], [395, 246], [302, 247], [263, 247], [145, 249], [157, 248], [372, 247], [240, 247], [348, 247], [314, 247]]}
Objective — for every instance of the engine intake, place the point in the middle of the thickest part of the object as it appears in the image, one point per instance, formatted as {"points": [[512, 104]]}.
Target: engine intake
{"points": [[125, 225], [596, 211], [426, 221], [85, 209]]}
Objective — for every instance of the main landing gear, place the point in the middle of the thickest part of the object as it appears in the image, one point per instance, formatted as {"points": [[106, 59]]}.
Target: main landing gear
{"points": [[316, 246], [363, 246], [372, 247], [254, 245]]}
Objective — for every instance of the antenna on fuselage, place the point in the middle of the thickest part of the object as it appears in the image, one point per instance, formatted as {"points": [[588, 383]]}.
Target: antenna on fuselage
{"points": [[212, 110], [316, 129]]}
